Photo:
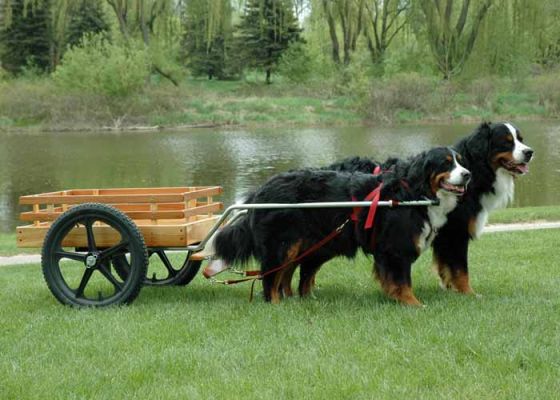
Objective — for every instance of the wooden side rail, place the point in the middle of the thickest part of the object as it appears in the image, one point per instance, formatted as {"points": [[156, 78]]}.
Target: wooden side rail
{"points": [[119, 196], [141, 211]]}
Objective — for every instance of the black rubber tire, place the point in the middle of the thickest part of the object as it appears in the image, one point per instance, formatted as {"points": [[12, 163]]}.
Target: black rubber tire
{"points": [[177, 277], [132, 243]]}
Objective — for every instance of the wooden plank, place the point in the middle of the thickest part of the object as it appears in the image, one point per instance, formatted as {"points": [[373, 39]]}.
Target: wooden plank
{"points": [[205, 209], [209, 191], [169, 235], [118, 198], [105, 199], [152, 215]]}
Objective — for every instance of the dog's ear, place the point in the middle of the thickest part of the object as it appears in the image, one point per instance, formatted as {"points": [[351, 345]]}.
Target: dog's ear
{"points": [[479, 141], [419, 174]]}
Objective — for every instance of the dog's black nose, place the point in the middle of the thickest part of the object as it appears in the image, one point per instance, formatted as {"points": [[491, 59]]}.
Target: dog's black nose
{"points": [[528, 153], [466, 176]]}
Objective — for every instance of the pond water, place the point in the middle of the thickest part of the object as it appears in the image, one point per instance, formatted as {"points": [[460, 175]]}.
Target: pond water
{"points": [[238, 160]]}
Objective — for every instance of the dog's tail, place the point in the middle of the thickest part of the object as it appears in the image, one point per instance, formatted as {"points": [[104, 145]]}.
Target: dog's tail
{"points": [[234, 243]]}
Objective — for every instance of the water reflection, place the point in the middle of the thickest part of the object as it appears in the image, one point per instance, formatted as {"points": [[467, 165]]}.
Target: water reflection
{"points": [[236, 159]]}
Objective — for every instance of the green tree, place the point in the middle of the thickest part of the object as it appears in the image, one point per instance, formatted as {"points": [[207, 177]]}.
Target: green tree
{"points": [[267, 29], [25, 36], [450, 33], [208, 35], [386, 18], [87, 17], [349, 15]]}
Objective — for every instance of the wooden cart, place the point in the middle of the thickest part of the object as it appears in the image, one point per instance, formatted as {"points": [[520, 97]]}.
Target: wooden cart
{"points": [[97, 243]]}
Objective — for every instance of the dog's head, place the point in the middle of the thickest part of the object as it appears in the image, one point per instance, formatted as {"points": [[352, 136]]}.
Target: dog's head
{"points": [[438, 172], [502, 146]]}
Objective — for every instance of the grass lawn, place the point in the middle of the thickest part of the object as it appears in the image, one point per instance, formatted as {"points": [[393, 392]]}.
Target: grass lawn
{"points": [[526, 214], [204, 341]]}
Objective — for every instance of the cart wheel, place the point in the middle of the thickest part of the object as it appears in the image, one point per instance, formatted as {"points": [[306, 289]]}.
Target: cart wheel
{"points": [[85, 278], [162, 270]]}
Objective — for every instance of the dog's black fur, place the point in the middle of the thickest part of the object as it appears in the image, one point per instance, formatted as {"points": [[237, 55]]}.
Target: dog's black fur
{"points": [[483, 153], [487, 152], [275, 236]]}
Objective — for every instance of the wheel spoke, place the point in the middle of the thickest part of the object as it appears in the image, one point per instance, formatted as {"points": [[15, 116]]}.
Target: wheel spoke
{"points": [[116, 250], [90, 238], [106, 272], [84, 282], [72, 256], [163, 257]]}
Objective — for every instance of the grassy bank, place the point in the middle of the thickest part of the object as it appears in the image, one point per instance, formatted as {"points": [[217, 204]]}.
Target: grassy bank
{"points": [[40, 104], [207, 341]]}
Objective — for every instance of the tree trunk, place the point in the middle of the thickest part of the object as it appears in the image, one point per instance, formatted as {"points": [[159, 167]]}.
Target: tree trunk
{"points": [[332, 33], [268, 75]]}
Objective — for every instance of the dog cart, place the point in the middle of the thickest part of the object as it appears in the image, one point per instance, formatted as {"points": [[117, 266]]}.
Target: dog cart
{"points": [[97, 244]]}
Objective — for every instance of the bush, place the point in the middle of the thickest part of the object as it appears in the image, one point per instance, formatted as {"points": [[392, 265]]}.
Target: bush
{"points": [[411, 93], [100, 67], [547, 89], [295, 64], [482, 91]]}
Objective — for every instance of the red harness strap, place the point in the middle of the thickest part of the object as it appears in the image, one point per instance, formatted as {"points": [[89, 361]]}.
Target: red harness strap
{"points": [[373, 196], [257, 275]]}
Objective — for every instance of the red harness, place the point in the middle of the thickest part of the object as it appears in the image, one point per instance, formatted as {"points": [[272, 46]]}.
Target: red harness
{"points": [[373, 196]]}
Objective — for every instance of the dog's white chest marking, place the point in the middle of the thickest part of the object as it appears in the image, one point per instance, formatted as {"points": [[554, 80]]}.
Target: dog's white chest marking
{"points": [[437, 216], [503, 194]]}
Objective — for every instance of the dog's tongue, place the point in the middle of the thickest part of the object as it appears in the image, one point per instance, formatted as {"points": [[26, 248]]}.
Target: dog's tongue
{"points": [[522, 168]]}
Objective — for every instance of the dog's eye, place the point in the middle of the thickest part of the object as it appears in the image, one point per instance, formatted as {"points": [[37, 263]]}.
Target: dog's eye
{"points": [[519, 137]]}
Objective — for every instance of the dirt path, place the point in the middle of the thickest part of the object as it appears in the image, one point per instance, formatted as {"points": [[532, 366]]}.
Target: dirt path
{"points": [[526, 226]]}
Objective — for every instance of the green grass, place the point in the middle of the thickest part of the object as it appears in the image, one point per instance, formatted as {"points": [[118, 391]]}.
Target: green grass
{"points": [[8, 246], [526, 214], [206, 341]]}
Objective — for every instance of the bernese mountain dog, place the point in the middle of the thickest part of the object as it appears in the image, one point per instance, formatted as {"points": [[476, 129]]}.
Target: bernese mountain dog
{"points": [[495, 154], [398, 236]]}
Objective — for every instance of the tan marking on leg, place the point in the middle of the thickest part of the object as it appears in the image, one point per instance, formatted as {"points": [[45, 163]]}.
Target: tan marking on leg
{"points": [[455, 280], [472, 227], [287, 280], [444, 273], [305, 287], [275, 290], [401, 293], [461, 283]]}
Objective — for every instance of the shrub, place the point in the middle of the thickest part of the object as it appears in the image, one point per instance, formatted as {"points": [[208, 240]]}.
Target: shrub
{"points": [[100, 67], [547, 89], [409, 92], [482, 91], [295, 64]]}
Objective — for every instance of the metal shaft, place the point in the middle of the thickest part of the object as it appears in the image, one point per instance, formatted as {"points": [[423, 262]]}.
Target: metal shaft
{"points": [[277, 206]]}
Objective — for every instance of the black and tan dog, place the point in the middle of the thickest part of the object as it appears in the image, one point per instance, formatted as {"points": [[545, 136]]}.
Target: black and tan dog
{"points": [[495, 155], [396, 239]]}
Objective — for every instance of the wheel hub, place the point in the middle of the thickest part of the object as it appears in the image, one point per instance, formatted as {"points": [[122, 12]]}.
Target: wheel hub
{"points": [[91, 260]]}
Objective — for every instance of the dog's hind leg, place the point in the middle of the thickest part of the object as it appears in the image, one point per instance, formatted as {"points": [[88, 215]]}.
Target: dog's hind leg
{"points": [[307, 274], [287, 280]]}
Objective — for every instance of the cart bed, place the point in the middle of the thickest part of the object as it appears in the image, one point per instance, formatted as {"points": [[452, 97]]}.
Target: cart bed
{"points": [[167, 217]]}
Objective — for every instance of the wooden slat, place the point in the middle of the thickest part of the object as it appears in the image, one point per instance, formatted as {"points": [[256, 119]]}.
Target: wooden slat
{"points": [[169, 235], [114, 198], [203, 192], [205, 209], [105, 199], [153, 215]]}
